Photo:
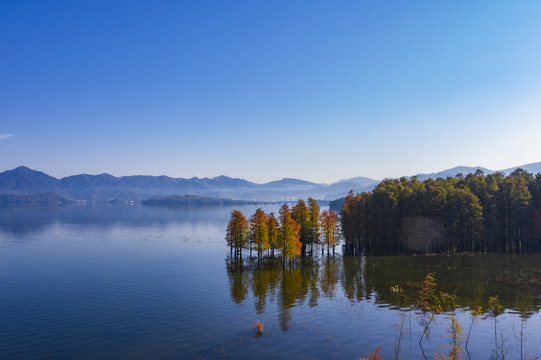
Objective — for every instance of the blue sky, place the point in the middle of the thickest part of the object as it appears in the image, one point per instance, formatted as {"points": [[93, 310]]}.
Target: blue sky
{"points": [[317, 90]]}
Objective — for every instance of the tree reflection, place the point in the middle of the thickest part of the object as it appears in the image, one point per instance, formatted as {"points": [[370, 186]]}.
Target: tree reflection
{"points": [[237, 280], [310, 273], [289, 293], [393, 281], [329, 277], [291, 285], [259, 284], [352, 278]]}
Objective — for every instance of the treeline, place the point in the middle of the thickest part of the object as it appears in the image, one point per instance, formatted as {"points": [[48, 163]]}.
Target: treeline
{"points": [[294, 232], [473, 213]]}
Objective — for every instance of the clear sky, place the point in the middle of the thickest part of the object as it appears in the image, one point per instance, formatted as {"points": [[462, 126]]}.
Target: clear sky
{"points": [[316, 90]]}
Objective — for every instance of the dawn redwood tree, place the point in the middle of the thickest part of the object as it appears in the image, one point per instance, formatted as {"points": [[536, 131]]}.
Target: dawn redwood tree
{"points": [[237, 234], [329, 220], [272, 228], [313, 223], [300, 214], [259, 232], [288, 234], [532, 233], [463, 220], [521, 202], [351, 220]]}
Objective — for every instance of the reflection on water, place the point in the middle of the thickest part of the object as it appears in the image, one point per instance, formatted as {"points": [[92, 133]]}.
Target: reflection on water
{"points": [[32, 219], [394, 283], [303, 280], [472, 279], [119, 281]]}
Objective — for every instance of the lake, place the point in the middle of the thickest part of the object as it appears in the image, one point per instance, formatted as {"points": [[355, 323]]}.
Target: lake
{"points": [[137, 282]]}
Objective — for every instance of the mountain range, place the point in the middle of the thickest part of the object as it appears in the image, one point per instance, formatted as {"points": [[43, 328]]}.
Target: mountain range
{"points": [[106, 187], [533, 168]]}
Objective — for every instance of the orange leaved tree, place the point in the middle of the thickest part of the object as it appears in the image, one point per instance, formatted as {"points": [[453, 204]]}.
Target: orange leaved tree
{"points": [[259, 232], [237, 233], [329, 220], [288, 234]]}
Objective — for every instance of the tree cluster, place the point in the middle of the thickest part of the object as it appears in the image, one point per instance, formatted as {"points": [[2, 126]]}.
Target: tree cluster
{"points": [[473, 213], [294, 232]]}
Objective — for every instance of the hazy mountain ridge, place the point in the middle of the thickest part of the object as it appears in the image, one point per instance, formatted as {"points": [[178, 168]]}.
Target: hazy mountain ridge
{"points": [[533, 168], [454, 171], [24, 181], [106, 187]]}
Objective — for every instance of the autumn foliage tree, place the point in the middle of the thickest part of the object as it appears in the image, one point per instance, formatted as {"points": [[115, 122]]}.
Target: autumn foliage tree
{"points": [[313, 223], [329, 231], [308, 217], [272, 228], [288, 234], [268, 234], [237, 234], [300, 214], [259, 232]]}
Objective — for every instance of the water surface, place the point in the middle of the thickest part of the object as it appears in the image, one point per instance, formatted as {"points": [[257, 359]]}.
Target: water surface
{"points": [[129, 282]]}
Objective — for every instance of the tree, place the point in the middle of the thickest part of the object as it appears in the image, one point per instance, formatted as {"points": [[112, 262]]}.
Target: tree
{"points": [[237, 233], [329, 220], [352, 219], [313, 223], [300, 214], [272, 228], [464, 218], [288, 234], [259, 232]]}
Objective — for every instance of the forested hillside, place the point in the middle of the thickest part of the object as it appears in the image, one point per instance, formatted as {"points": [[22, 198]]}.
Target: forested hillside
{"points": [[473, 213]]}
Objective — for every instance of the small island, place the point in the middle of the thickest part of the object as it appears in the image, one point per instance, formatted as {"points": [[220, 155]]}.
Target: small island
{"points": [[193, 200], [34, 199]]}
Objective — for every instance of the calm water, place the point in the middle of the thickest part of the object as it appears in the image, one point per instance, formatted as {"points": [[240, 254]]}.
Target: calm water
{"points": [[134, 282]]}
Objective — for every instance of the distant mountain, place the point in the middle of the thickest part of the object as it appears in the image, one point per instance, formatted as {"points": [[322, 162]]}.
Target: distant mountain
{"points": [[291, 182], [533, 168], [359, 180], [357, 184], [464, 170], [23, 181], [106, 187]]}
